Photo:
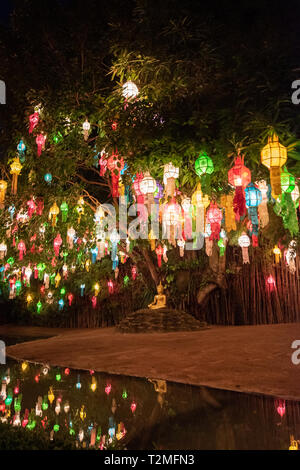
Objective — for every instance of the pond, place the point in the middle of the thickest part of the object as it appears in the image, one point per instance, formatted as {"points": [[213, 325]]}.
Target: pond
{"points": [[97, 410]]}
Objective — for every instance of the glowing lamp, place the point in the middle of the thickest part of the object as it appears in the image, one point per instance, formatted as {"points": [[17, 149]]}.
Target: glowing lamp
{"points": [[129, 90], [39, 306], [53, 213], [204, 165], [40, 141], [3, 250], [107, 389], [24, 366], [277, 253], [274, 156], [133, 406], [287, 181]]}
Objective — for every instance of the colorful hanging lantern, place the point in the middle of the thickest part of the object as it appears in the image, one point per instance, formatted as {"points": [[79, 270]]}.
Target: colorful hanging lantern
{"points": [[129, 90], [227, 204], [3, 188], [171, 173], [86, 129], [3, 250], [181, 244], [33, 121], [263, 206], [134, 272], [57, 244], [295, 195], [290, 256], [64, 208], [148, 188], [48, 178], [239, 176], [171, 219], [253, 198], [115, 166], [287, 181], [200, 202], [204, 165], [277, 253], [15, 170], [31, 207], [274, 156], [110, 286], [40, 141], [244, 242], [39, 306], [271, 283], [70, 237], [187, 217], [214, 217], [22, 249], [53, 213]]}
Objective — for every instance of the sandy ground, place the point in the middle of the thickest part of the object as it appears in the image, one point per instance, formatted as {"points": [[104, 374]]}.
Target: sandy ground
{"points": [[241, 358]]}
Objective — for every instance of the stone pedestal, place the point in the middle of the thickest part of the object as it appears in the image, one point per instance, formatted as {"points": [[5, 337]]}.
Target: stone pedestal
{"points": [[159, 320]]}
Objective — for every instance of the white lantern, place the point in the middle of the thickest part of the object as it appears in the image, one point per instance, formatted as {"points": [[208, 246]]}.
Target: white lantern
{"points": [[129, 90], [3, 250], [148, 187], [148, 184], [70, 237], [295, 195], [290, 256], [86, 128], [170, 175], [181, 244], [99, 214], [244, 242]]}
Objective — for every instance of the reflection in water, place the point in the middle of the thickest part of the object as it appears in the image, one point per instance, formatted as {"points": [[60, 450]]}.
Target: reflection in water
{"points": [[102, 411]]}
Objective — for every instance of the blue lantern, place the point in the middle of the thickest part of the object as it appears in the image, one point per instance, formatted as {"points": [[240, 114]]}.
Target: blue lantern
{"points": [[253, 198], [48, 178]]}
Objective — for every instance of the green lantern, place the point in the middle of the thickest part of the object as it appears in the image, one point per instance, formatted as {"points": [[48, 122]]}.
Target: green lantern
{"points": [[18, 286], [64, 211], [204, 165], [39, 306], [288, 182]]}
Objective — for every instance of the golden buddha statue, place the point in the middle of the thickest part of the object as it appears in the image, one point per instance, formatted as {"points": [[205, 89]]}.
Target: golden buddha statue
{"points": [[160, 300]]}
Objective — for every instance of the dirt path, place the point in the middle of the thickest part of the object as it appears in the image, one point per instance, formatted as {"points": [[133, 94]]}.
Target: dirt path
{"points": [[245, 358]]}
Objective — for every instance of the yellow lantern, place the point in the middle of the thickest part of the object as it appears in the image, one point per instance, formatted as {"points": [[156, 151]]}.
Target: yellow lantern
{"points": [[277, 253], [97, 288], [29, 299], [79, 208], [24, 366], [93, 384], [51, 395], [15, 170], [82, 413], [171, 173], [227, 203], [294, 444], [152, 239], [274, 156], [57, 280], [3, 188], [53, 213], [200, 202]]}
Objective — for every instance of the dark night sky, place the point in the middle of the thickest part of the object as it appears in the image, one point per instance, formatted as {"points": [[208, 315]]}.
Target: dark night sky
{"points": [[6, 7]]}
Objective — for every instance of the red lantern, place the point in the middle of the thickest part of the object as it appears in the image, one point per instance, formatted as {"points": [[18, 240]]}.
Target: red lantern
{"points": [[33, 121], [133, 406], [134, 272], [271, 283], [40, 207], [239, 176], [94, 301], [70, 298], [115, 165], [280, 407], [103, 163], [108, 389], [214, 217], [110, 286]]}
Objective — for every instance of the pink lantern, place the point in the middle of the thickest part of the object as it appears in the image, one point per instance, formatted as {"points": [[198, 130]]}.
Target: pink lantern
{"points": [[133, 406], [107, 389], [214, 218], [40, 206], [239, 176], [33, 121], [103, 163], [271, 283], [94, 301], [280, 407], [40, 141], [22, 249], [57, 244], [31, 207]]}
